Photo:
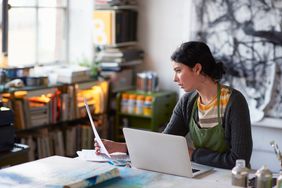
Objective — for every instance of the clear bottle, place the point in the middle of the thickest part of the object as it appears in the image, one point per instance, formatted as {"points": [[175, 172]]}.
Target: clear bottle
{"points": [[124, 102], [131, 103], [263, 178], [148, 106], [240, 174], [139, 104]]}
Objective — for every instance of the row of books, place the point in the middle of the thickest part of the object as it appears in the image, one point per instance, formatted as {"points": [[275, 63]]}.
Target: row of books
{"points": [[114, 59], [114, 27], [50, 106], [63, 142]]}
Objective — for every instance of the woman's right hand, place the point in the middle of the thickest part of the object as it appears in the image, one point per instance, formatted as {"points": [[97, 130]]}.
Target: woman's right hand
{"points": [[111, 146]]}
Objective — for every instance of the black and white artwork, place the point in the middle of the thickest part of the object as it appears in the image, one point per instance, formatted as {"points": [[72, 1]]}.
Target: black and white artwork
{"points": [[246, 35]]}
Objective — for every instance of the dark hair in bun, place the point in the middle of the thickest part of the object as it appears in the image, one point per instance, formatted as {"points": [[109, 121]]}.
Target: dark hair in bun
{"points": [[191, 53]]}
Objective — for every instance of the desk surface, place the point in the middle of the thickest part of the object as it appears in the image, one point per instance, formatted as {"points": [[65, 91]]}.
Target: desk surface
{"points": [[56, 171], [130, 177]]}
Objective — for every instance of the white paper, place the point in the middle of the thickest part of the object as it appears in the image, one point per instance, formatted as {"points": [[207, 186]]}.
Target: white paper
{"points": [[103, 150], [90, 155]]}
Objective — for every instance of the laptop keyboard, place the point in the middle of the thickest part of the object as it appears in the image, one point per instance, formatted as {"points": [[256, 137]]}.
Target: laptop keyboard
{"points": [[195, 170]]}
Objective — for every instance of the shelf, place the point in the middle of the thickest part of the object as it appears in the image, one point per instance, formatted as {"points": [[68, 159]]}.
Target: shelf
{"points": [[52, 120], [135, 115], [123, 44], [130, 7], [162, 106], [267, 122], [60, 124]]}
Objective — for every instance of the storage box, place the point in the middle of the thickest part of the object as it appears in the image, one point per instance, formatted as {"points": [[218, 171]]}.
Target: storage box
{"points": [[7, 132]]}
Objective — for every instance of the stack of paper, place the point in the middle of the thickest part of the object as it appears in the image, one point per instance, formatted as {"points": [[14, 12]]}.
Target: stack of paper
{"points": [[90, 155]]}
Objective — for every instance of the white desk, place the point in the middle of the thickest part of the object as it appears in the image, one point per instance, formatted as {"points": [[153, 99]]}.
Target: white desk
{"points": [[218, 178], [57, 171]]}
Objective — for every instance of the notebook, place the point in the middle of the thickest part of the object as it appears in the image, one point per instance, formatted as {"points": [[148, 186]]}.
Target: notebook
{"points": [[161, 153]]}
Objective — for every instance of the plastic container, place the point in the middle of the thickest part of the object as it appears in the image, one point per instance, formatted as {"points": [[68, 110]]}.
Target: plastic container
{"points": [[124, 102], [240, 174], [148, 106], [131, 103], [140, 104]]}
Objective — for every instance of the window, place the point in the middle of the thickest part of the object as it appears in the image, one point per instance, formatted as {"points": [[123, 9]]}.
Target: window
{"points": [[38, 32]]}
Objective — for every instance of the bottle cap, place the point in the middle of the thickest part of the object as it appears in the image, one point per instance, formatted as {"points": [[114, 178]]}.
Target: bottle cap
{"points": [[132, 96], [264, 172], [140, 97], [124, 95], [149, 98], [241, 163]]}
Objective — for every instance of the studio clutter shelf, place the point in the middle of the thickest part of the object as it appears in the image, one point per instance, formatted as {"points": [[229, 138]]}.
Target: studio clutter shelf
{"points": [[53, 121], [152, 117]]}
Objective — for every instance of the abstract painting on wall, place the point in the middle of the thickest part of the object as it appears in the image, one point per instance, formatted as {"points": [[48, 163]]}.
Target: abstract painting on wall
{"points": [[246, 36]]}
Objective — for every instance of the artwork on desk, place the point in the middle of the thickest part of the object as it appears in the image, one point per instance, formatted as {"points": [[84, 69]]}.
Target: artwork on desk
{"points": [[55, 172], [247, 37]]}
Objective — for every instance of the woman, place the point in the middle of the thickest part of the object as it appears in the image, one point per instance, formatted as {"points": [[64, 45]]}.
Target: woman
{"points": [[216, 116]]}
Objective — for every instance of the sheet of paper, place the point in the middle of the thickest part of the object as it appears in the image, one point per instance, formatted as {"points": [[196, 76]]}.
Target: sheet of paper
{"points": [[103, 150], [90, 155]]}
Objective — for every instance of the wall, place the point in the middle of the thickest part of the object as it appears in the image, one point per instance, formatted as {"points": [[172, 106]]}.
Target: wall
{"points": [[163, 26]]}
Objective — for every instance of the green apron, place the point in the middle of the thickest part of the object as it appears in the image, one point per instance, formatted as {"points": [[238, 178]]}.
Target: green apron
{"points": [[208, 138]]}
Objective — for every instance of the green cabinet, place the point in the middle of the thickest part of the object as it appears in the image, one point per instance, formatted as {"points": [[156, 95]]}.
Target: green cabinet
{"points": [[162, 106]]}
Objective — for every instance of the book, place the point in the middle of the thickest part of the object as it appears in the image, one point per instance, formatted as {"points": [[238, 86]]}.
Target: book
{"points": [[57, 171], [103, 27]]}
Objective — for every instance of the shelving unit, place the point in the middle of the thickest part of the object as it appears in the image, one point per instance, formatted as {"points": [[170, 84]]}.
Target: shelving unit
{"points": [[117, 51], [62, 126], [162, 106]]}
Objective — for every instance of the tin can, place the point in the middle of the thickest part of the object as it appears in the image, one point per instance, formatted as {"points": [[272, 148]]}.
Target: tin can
{"points": [[240, 174], [263, 178], [152, 82], [141, 82]]}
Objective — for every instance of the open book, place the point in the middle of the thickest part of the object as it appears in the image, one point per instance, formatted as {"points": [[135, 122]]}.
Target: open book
{"points": [[57, 171]]}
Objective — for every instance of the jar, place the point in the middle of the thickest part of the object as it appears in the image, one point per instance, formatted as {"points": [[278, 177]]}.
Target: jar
{"points": [[240, 174], [264, 178], [139, 104], [124, 102], [131, 103], [148, 106]]}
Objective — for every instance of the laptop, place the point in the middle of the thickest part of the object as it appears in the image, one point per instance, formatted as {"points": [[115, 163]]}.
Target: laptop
{"points": [[161, 153]]}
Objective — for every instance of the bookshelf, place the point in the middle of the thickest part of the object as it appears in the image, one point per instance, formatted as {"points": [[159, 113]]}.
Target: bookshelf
{"points": [[52, 120], [116, 43]]}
